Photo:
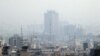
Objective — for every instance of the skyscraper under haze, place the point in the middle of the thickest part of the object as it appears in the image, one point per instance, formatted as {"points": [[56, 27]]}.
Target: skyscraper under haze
{"points": [[51, 23]]}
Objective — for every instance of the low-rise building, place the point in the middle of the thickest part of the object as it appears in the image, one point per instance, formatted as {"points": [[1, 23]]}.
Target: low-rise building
{"points": [[16, 40]]}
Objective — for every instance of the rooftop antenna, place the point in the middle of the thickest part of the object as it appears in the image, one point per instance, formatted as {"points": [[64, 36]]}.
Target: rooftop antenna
{"points": [[21, 32], [22, 35]]}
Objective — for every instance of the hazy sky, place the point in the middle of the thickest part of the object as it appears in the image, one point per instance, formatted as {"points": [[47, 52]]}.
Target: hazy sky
{"points": [[13, 13]]}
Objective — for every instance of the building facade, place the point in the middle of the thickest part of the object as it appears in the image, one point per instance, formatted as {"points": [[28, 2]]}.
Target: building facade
{"points": [[16, 40]]}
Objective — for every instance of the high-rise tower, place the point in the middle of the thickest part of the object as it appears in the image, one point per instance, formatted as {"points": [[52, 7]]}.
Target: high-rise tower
{"points": [[51, 23]]}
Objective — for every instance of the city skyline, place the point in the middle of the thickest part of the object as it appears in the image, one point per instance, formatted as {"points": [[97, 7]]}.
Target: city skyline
{"points": [[30, 12], [49, 28], [50, 18]]}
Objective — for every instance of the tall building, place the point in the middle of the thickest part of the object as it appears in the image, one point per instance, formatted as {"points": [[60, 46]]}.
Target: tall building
{"points": [[51, 26], [51, 23]]}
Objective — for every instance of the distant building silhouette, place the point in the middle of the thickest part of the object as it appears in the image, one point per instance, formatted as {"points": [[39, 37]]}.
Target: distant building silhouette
{"points": [[51, 23]]}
